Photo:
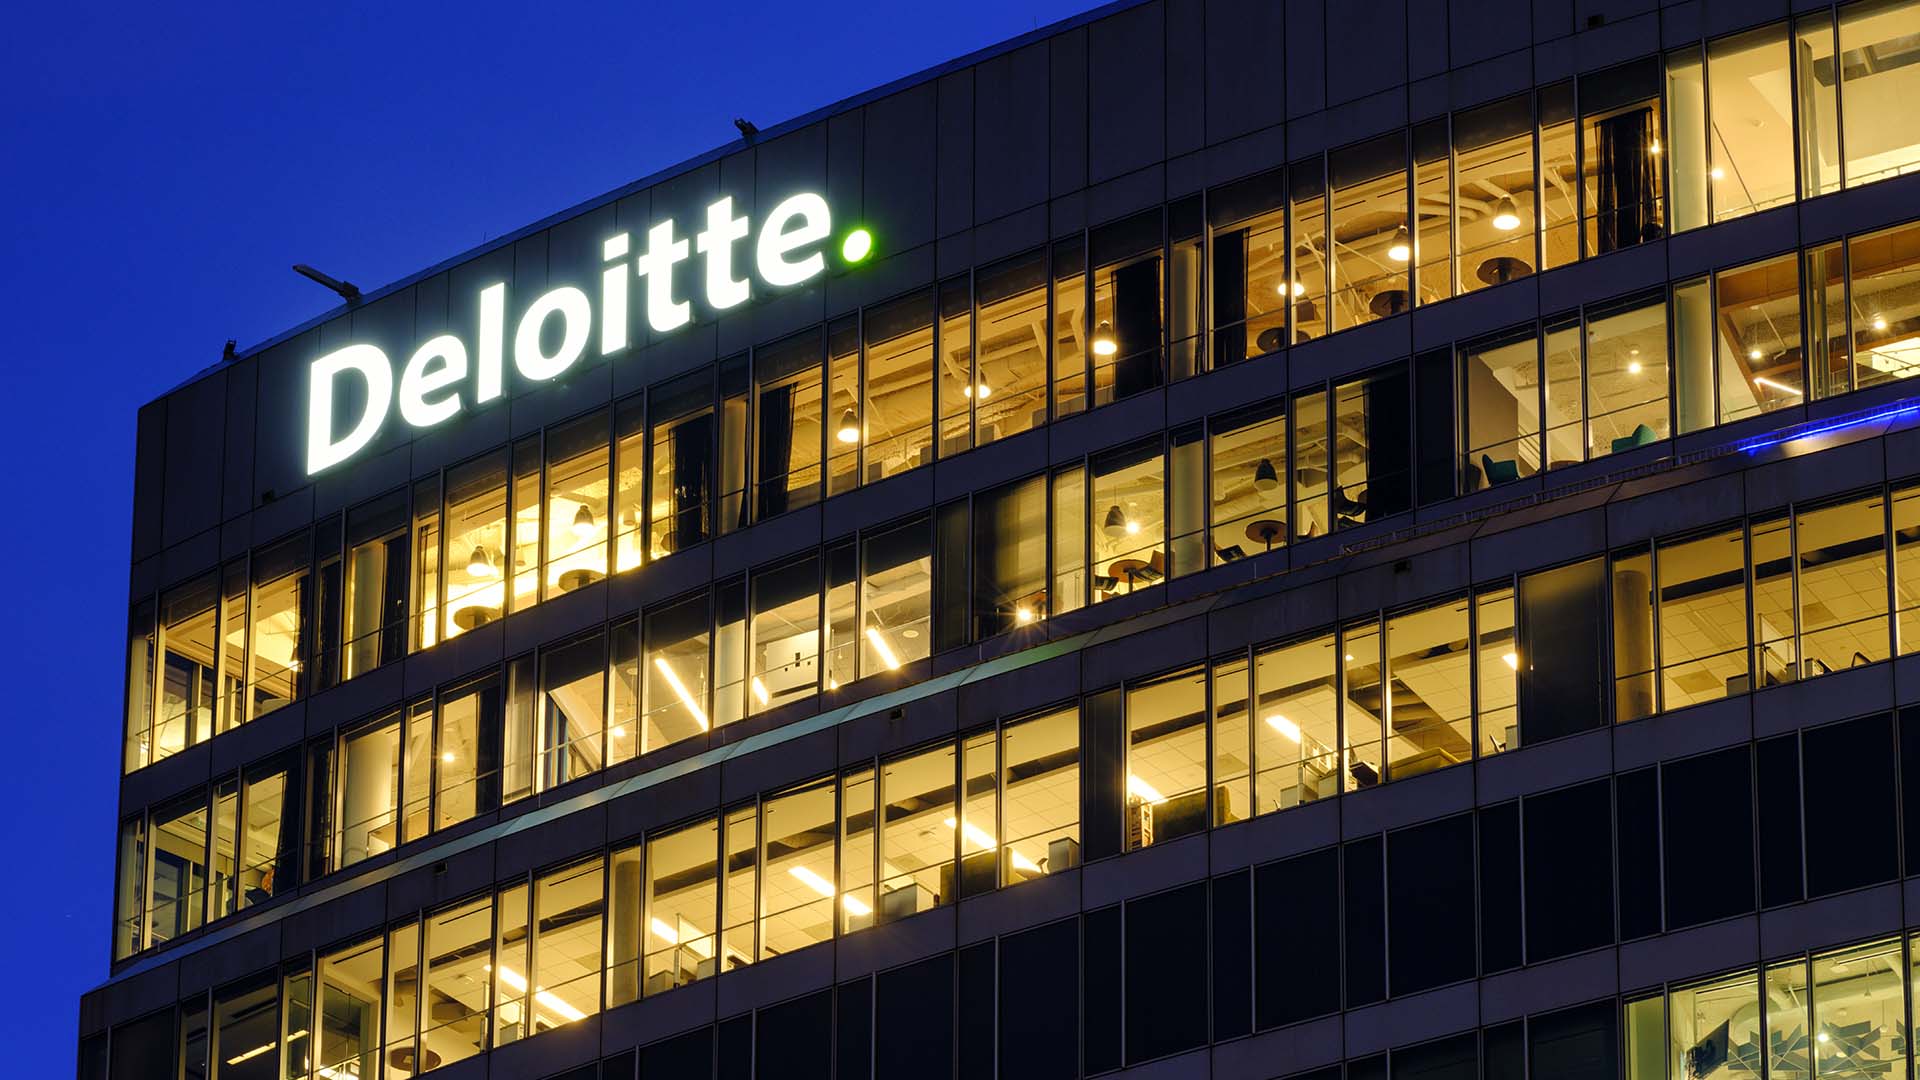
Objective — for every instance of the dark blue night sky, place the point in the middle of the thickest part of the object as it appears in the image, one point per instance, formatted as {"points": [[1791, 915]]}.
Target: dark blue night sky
{"points": [[163, 165]]}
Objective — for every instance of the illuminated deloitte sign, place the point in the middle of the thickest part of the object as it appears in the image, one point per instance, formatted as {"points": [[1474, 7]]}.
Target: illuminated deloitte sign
{"points": [[432, 386]]}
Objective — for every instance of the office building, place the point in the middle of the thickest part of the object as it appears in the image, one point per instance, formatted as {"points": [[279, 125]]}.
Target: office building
{"points": [[1218, 538]]}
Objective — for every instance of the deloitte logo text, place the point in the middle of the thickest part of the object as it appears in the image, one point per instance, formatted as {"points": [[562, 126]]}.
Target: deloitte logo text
{"points": [[433, 385]]}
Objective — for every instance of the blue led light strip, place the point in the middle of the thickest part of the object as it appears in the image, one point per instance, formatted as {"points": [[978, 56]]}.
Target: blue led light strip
{"points": [[1825, 427]]}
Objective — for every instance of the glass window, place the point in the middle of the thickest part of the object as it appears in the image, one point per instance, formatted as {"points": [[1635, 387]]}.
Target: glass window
{"points": [[1757, 316], [681, 420], [1186, 289], [1187, 501], [682, 905], [1232, 741], [797, 901], [523, 518], [1559, 197], [736, 384], [1702, 618], [221, 897], [1626, 375], [1501, 395], [623, 677], [739, 882], [1363, 705], [348, 1011], [130, 880], [626, 908], [674, 682], [573, 709], [1372, 443], [141, 641], [425, 595], [1433, 213], [296, 1021], [510, 940], [1496, 669], [1816, 104], [844, 407], [1010, 312], [269, 836], [1787, 1017], [917, 839], [1694, 399], [1430, 702], [1167, 757], [1751, 122], [416, 771], [1297, 724], [458, 951], [1686, 150], [629, 484], [1009, 555], [579, 504], [1560, 340], [1129, 502], [1247, 453], [1127, 307], [369, 791], [1883, 273], [1906, 568], [1841, 553], [1858, 1009], [1716, 1026], [788, 414], [896, 596], [1620, 171], [1494, 214], [730, 651], [785, 633], [374, 619], [1070, 330], [1309, 272], [842, 646], [1879, 42], [1370, 241], [1829, 347], [190, 665], [476, 544], [979, 822], [401, 990], [1069, 589], [897, 418], [467, 764], [1040, 793], [567, 909], [1633, 660], [857, 851], [959, 383], [1249, 256], [247, 1032], [177, 887]]}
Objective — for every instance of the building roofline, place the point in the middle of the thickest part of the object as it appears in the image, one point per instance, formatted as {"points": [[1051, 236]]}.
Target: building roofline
{"points": [[680, 168]]}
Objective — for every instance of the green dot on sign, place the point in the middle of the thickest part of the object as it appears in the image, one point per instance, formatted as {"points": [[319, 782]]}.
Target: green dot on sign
{"points": [[857, 246]]}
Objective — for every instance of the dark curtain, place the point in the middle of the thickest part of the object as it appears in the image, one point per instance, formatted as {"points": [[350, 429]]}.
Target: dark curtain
{"points": [[1230, 297], [1625, 181], [1136, 327], [692, 453], [776, 449], [488, 739], [1562, 621]]}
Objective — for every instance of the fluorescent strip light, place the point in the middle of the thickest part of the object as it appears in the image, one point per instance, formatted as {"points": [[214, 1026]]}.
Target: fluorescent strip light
{"points": [[1144, 790], [261, 1049], [854, 905], [546, 999], [984, 840], [880, 646], [1761, 380], [680, 689], [760, 691], [1284, 726], [700, 946]]}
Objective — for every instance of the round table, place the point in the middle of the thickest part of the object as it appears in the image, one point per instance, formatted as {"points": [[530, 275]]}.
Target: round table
{"points": [[1501, 269], [578, 579], [1266, 531], [1126, 569], [475, 617]]}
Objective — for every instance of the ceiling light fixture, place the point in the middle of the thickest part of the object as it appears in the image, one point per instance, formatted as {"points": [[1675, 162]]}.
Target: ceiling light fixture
{"points": [[854, 905], [1142, 790], [583, 522], [1284, 726], [1265, 476], [760, 691], [1633, 367], [546, 999], [1717, 173], [984, 841], [1401, 249], [879, 642], [1512, 660], [1103, 343], [849, 427], [1755, 354], [680, 691], [1771, 385], [480, 565], [1295, 288], [1506, 216], [1879, 322], [1115, 525], [1023, 615]]}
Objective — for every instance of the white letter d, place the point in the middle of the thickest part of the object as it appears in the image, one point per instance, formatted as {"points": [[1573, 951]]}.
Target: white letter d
{"points": [[372, 365]]}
